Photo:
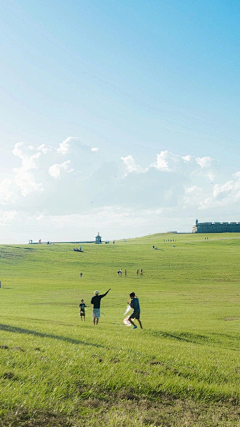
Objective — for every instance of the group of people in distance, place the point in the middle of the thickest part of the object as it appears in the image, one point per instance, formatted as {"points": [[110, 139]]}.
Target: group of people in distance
{"points": [[96, 301], [119, 272], [141, 272]]}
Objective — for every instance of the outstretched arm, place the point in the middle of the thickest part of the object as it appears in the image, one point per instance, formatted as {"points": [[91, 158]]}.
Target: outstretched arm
{"points": [[105, 293]]}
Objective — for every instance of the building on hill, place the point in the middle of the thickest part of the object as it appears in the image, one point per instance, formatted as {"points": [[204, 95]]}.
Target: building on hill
{"points": [[98, 239], [216, 227]]}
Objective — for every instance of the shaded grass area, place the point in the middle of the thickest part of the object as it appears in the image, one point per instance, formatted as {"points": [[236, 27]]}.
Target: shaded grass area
{"points": [[126, 411]]}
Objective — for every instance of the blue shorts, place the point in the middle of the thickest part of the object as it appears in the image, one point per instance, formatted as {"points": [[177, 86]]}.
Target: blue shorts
{"points": [[96, 313]]}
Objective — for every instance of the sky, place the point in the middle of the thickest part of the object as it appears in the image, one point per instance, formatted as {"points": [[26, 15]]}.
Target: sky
{"points": [[117, 117]]}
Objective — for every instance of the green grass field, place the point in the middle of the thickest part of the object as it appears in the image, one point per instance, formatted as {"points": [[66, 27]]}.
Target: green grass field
{"points": [[182, 369]]}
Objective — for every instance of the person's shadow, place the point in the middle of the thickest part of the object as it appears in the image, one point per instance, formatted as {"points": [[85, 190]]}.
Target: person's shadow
{"points": [[17, 330]]}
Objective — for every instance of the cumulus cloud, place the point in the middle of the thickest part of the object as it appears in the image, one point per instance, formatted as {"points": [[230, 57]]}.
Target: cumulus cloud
{"points": [[204, 161], [56, 169], [97, 180], [44, 149], [64, 146], [28, 161], [187, 158], [24, 177], [192, 196], [192, 189], [7, 217], [162, 162], [170, 162], [226, 194], [113, 190], [131, 166], [7, 195]]}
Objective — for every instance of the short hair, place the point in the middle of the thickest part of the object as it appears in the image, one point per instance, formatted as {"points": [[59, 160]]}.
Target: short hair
{"points": [[132, 294], [96, 292]]}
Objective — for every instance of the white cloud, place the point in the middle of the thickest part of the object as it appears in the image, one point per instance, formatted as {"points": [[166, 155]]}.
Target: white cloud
{"points": [[192, 189], [24, 178], [131, 165], [21, 151], [64, 146], [7, 195], [204, 161], [56, 169], [227, 194], [157, 192], [162, 162], [40, 217], [7, 217], [192, 197], [223, 189], [44, 149], [187, 158], [211, 176], [170, 162]]}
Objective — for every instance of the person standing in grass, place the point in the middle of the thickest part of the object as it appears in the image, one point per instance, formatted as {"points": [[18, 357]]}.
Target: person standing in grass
{"points": [[82, 306], [96, 301], [136, 310]]}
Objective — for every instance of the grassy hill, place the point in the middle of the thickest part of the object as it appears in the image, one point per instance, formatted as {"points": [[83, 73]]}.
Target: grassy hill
{"points": [[182, 369]]}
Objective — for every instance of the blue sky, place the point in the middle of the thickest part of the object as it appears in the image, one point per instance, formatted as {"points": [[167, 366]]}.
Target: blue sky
{"points": [[118, 117]]}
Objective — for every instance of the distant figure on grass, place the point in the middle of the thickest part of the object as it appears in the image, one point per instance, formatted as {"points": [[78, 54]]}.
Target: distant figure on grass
{"points": [[141, 272], [136, 310], [137, 272], [96, 301], [82, 306], [119, 272], [80, 275], [125, 272]]}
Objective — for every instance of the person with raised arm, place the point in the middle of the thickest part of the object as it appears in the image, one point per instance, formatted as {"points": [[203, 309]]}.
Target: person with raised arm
{"points": [[96, 301]]}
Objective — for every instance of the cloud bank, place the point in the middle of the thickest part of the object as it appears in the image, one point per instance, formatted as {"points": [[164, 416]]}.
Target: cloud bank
{"points": [[75, 186]]}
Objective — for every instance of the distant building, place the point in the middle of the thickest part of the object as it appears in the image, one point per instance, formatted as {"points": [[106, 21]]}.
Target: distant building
{"points": [[98, 239], [216, 227]]}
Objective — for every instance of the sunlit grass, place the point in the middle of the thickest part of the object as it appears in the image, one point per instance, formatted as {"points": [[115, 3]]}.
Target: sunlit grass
{"points": [[188, 350]]}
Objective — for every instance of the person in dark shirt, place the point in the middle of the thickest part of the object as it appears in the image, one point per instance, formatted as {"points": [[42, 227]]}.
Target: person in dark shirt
{"points": [[96, 301], [82, 306], [136, 310]]}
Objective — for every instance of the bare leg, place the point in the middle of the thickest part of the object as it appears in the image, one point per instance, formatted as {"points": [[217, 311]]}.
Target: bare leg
{"points": [[131, 321], [94, 320], [140, 323], [97, 320]]}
